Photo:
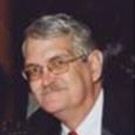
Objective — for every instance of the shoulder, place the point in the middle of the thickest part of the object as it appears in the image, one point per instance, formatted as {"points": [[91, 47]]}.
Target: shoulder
{"points": [[118, 106], [106, 132], [43, 123]]}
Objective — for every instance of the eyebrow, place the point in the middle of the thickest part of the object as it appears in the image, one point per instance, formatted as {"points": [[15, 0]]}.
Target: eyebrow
{"points": [[63, 55], [30, 65]]}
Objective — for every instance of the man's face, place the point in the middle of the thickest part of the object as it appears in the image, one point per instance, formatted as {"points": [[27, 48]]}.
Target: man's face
{"points": [[68, 90]]}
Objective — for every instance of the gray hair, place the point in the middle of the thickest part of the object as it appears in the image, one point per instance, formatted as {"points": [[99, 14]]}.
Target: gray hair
{"points": [[50, 26]]}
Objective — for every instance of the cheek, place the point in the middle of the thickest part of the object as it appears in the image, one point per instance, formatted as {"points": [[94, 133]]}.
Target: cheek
{"points": [[80, 78], [76, 84], [80, 81]]}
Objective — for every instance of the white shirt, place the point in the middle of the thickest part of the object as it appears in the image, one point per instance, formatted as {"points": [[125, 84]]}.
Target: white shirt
{"points": [[91, 125]]}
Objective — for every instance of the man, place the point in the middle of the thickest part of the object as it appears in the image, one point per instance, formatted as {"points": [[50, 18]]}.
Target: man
{"points": [[64, 69]]}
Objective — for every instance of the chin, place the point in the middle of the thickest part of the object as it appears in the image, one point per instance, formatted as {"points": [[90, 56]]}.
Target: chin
{"points": [[52, 107]]}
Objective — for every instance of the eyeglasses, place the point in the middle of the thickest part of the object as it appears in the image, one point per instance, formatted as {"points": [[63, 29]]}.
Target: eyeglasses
{"points": [[56, 65]]}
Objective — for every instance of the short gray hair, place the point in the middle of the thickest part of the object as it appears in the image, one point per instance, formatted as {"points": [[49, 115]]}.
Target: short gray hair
{"points": [[50, 26]]}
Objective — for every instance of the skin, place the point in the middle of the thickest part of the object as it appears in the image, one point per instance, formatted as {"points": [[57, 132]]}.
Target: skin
{"points": [[68, 96]]}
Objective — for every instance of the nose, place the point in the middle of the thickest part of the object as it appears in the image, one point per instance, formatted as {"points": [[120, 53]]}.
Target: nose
{"points": [[47, 78]]}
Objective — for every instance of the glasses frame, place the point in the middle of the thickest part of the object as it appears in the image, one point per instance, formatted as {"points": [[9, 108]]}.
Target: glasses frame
{"points": [[67, 62]]}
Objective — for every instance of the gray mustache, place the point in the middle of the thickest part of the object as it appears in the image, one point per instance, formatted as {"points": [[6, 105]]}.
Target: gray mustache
{"points": [[51, 88]]}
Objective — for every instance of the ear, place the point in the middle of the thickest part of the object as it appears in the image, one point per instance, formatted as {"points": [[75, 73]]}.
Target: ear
{"points": [[96, 63]]}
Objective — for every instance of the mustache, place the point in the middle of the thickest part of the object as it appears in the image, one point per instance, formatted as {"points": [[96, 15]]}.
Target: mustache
{"points": [[53, 87]]}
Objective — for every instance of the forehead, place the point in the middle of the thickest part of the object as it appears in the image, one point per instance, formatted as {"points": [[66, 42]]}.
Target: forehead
{"points": [[45, 48]]}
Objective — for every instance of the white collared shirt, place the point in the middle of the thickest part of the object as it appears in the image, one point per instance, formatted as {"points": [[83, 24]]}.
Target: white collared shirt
{"points": [[91, 125]]}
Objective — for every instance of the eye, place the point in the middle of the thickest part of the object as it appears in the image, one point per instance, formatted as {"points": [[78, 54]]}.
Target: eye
{"points": [[35, 69], [58, 62], [32, 70]]}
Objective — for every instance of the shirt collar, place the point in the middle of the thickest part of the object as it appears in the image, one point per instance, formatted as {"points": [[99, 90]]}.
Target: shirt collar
{"points": [[92, 123]]}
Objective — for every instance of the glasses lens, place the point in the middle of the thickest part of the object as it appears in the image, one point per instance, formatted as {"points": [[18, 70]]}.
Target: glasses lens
{"points": [[32, 72], [57, 65]]}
